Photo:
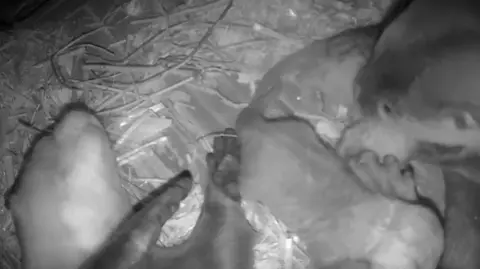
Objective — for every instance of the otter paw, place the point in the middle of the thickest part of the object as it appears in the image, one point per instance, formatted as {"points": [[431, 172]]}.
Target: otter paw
{"points": [[224, 163]]}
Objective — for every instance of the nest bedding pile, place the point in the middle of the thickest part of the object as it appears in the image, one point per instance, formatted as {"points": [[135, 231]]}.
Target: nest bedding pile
{"points": [[161, 77]]}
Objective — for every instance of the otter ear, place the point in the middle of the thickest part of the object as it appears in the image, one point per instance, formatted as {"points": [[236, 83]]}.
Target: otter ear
{"points": [[455, 119], [465, 120], [385, 109]]}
